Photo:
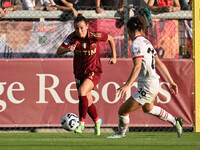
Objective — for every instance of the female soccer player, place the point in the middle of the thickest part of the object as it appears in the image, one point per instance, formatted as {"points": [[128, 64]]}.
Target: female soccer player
{"points": [[144, 59], [87, 67]]}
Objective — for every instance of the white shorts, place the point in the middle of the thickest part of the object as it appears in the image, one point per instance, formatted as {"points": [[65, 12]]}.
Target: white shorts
{"points": [[147, 91]]}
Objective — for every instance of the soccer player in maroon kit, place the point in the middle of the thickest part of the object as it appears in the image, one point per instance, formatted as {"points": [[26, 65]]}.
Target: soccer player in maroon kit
{"points": [[87, 67]]}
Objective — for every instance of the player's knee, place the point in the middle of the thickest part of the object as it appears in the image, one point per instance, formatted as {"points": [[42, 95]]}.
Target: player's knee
{"points": [[82, 92], [122, 113], [145, 110]]}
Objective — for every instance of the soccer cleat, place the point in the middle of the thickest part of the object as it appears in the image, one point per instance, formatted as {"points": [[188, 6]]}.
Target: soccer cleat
{"points": [[117, 135], [97, 127], [79, 129], [179, 126]]}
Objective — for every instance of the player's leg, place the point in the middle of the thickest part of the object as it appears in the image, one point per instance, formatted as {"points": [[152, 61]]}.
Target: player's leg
{"points": [[92, 111], [83, 91], [125, 109], [164, 115], [159, 112]]}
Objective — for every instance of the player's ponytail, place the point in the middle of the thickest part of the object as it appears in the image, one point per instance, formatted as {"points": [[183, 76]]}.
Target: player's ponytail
{"points": [[79, 18]]}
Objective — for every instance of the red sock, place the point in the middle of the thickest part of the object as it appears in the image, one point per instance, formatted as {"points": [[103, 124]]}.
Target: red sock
{"points": [[92, 111], [83, 108]]}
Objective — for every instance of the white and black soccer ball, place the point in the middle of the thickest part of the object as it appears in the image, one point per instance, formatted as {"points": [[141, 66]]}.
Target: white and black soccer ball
{"points": [[70, 121]]}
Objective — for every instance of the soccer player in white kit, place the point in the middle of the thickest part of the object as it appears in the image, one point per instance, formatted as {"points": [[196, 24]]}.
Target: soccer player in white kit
{"points": [[144, 59]]}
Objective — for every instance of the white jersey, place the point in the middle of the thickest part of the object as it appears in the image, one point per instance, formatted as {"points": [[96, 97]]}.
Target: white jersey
{"points": [[141, 47]]}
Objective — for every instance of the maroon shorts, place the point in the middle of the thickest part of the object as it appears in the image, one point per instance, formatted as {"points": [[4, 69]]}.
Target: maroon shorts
{"points": [[93, 76]]}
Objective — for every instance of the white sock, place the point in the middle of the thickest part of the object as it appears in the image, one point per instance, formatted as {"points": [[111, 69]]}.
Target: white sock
{"points": [[98, 121], [83, 123], [123, 123], [162, 114]]}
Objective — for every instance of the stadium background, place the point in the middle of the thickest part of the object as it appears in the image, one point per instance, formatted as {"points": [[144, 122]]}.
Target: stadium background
{"points": [[38, 87]]}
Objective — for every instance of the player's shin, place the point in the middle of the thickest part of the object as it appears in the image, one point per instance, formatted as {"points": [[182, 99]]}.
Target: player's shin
{"points": [[92, 111], [162, 114], [83, 108], [123, 124]]}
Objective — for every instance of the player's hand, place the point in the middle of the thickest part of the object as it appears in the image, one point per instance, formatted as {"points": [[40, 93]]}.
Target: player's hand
{"points": [[122, 91], [73, 47], [112, 61], [173, 88]]}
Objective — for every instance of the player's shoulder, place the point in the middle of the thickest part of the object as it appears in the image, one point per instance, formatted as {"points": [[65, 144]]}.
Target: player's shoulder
{"points": [[141, 41], [137, 42], [72, 35], [94, 34]]}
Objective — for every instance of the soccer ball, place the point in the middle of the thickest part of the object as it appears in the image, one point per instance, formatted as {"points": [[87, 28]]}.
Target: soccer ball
{"points": [[70, 121]]}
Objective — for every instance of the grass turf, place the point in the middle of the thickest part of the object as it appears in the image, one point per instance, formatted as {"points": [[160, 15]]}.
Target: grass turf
{"points": [[87, 141]]}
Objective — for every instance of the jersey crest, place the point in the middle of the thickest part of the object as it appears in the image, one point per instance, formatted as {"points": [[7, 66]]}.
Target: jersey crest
{"points": [[92, 34]]}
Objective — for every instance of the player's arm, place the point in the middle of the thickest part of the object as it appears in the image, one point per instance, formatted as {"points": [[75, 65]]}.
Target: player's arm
{"points": [[62, 49], [164, 70], [132, 77], [113, 60], [67, 45]]}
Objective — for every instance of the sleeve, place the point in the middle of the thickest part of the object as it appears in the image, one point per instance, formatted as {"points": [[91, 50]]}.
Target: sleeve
{"points": [[104, 36], [68, 41], [136, 51]]}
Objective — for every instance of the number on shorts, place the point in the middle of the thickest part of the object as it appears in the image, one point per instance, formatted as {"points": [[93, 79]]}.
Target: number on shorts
{"points": [[142, 92]]}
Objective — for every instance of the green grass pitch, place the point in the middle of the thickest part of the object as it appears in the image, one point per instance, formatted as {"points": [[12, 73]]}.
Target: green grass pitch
{"points": [[87, 141]]}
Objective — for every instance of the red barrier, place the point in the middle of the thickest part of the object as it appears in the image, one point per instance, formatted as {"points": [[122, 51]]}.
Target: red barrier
{"points": [[37, 93]]}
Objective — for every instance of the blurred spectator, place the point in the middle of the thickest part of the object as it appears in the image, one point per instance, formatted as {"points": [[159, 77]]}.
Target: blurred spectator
{"points": [[37, 4], [8, 6], [140, 3], [50, 5], [184, 4], [163, 5], [121, 9], [86, 4], [98, 7], [67, 5], [190, 4], [109, 4], [13, 36]]}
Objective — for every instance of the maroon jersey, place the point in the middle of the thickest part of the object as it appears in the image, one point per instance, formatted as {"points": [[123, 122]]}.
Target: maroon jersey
{"points": [[86, 54]]}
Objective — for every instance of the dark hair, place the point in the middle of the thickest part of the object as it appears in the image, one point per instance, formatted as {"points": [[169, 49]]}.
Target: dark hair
{"points": [[136, 23], [79, 18]]}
